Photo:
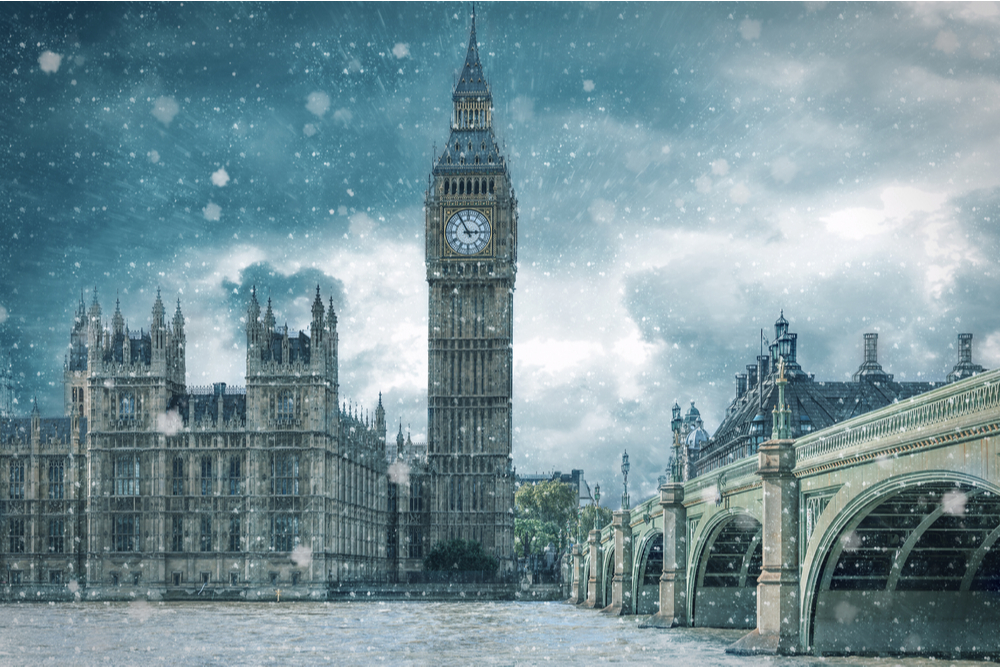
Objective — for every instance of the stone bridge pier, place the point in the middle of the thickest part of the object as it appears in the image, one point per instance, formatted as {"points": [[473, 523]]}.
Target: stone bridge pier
{"points": [[778, 584], [595, 580], [621, 582]]}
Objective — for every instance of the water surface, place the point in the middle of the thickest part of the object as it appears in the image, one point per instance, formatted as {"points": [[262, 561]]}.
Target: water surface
{"points": [[364, 633]]}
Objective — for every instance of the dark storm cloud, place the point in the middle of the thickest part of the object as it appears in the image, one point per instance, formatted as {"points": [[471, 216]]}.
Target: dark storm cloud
{"points": [[282, 290], [683, 171]]}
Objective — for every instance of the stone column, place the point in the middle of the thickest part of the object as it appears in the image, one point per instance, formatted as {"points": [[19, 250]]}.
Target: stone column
{"points": [[596, 579], [673, 581], [577, 565], [621, 583], [778, 585]]}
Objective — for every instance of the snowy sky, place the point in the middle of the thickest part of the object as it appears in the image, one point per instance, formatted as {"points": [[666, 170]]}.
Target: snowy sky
{"points": [[684, 172]]}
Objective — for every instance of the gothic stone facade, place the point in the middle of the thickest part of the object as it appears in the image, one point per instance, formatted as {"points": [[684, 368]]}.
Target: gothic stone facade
{"points": [[219, 491]]}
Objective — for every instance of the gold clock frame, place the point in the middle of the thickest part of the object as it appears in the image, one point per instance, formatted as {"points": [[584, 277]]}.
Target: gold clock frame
{"points": [[448, 251]]}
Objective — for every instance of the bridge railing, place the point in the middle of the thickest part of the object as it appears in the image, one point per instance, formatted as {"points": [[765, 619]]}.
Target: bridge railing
{"points": [[916, 416], [712, 486]]}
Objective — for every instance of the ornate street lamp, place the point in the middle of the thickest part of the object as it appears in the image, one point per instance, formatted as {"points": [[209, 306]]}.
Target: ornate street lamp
{"points": [[625, 468], [597, 503]]}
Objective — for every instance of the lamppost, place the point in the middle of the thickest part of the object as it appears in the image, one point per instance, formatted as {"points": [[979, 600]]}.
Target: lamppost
{"points": [[597, 503], [625, 467]]}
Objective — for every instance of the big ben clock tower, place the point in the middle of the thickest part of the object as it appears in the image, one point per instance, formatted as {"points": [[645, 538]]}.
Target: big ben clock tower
{"points": [[471, 256]]}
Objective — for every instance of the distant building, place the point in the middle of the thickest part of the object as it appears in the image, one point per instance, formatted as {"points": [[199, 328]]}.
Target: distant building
{"points": [[813, 404]]}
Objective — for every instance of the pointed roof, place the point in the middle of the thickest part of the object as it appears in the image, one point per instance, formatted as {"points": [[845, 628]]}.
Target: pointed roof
{"points": [[472, 81]]}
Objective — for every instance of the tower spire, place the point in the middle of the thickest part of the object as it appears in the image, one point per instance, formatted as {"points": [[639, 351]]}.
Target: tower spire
{"points": [[471, 81]]}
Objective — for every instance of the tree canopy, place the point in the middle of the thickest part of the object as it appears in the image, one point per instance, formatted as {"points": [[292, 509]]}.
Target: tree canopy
{"points": [[545, 512]]}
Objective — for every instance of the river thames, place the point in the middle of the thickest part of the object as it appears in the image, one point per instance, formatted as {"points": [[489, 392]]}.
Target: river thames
{"points": [[364, 633]]}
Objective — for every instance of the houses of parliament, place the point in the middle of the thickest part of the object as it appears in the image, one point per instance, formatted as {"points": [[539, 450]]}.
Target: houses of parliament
{"points": [[146, 486]]}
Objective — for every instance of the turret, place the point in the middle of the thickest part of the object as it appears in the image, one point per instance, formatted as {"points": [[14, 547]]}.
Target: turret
{"points": [[178, 341], [117, 321], [380, 430], [95, 338], [316, 328], [268, 330], [158, 337]]}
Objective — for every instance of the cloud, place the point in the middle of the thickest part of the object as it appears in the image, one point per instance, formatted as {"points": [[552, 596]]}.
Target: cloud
{"points": [[588, 86], [49, 62], [165, 108], [401, 50], [309, 129], [220, 177], [749, 29], [720, 167], [318, 103], [946, 41], [212, 212], [153, 156]]}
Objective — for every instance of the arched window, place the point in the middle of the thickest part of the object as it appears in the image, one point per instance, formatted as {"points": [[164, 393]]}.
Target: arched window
{"points": [[491, 186], [454, 189], [177, 477], [286, 405], [126, 406], [461, 187], [484, 186], [446, 187], [206, 475], [477, 182]]}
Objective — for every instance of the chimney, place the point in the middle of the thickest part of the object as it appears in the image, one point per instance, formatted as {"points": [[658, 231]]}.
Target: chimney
{"points": [[741, 384], [871, 348]]}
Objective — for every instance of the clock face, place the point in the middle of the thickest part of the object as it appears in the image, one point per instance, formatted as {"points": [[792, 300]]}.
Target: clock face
{"points": [[468, 232]]}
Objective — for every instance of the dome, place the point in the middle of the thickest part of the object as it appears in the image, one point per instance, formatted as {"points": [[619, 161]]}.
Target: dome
{"points": [[692, 412], [697, 437]]}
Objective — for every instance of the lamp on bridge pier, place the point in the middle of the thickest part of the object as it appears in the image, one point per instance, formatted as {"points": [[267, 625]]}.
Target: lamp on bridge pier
{"points": [[625, 469], [597, 503]]}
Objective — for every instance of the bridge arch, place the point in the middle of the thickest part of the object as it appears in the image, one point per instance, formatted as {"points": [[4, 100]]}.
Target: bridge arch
{"points": [[727, 561], [646, 573], [609, 574], [906, 565]]}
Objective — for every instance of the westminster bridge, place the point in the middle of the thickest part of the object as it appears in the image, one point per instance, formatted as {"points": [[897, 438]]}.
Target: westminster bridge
{"points": [[872, 536]]}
